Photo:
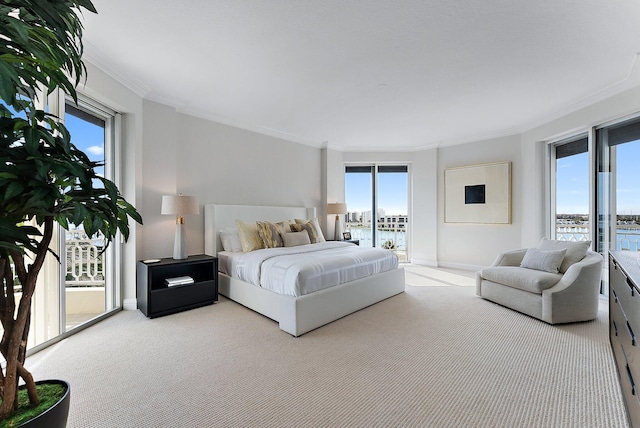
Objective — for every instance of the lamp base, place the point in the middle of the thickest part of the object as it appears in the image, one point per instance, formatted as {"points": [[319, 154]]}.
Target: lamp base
{"points": [[338, 229], [180, 245]]}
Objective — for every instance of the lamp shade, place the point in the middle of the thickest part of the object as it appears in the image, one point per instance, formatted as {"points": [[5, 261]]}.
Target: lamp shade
{"points": [[179, 205], [337, 208]]}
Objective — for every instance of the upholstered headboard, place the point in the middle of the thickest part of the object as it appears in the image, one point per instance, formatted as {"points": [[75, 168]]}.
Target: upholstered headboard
{"points": [[217, 217]]}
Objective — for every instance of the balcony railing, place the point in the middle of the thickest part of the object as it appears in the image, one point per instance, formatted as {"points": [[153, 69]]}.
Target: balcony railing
{"points": [[84, 260], [627, 236]]}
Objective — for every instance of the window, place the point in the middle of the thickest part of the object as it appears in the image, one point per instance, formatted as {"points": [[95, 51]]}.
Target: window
{"points": [[618, 191], [377, 197], [594, 190], [571, 199], [82, 287]]}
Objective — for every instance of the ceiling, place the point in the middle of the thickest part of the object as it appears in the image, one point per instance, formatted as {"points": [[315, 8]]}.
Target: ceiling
{"points": [[370, 74]]}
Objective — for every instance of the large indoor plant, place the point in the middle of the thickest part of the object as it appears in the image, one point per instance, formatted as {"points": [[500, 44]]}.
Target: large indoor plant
{"points": [[44, 178]]}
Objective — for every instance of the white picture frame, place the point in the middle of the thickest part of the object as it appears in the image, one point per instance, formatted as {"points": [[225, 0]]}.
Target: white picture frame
{"points": [[478, 194]]}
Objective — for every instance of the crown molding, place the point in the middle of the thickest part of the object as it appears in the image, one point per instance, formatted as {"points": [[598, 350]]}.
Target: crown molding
{"points": [[94, 56], [258, 129]]}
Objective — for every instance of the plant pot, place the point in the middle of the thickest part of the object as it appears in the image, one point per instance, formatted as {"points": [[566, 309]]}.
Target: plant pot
{"points": [[56, 416]]}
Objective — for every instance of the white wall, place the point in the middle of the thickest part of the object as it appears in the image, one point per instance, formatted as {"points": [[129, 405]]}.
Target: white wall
{"points": [[471, 246], [166, 152], [159, 170], [332, 187], [226, 165]]}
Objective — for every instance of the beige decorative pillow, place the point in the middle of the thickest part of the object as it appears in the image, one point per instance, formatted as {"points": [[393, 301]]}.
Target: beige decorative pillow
{"points": [[315, 235], [293, 239], [270, 234], [575, 250], [548, 261], [285, 225], [249, 237], [308, 227]]}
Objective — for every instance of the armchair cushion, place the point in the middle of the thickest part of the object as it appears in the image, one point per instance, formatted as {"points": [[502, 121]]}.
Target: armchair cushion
{"points": [[531, 280], [575, 250], [548, 261]]}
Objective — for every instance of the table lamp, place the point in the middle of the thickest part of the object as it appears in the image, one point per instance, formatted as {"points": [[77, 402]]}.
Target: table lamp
{"points": [[337, 209], [180, 205]]}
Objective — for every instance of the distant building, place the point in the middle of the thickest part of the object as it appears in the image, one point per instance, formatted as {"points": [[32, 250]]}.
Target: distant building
{"points": [[385, 222], [393, 222]]}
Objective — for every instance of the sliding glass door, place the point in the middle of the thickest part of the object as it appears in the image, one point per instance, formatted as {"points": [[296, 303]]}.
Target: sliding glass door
{"points": [[81, 285], [378, 204], [595, 192], [359, 191], [572, 190], [392, 208], [618, 178], [88, 288]]}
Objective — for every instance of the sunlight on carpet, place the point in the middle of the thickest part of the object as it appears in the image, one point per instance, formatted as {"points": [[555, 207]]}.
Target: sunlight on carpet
{"points": [[422, 276]]}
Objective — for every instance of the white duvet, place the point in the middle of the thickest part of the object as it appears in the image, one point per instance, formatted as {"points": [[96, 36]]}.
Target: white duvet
{"points": [[296, 271]]}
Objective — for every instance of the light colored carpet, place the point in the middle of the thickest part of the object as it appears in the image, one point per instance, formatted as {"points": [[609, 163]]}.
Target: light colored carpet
{"points": [[434, 356]]}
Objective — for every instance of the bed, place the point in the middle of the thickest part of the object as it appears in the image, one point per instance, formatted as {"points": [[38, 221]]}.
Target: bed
{"points": [[296, 315]]}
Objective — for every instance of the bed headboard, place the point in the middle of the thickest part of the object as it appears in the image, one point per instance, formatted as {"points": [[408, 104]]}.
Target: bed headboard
{"points": [[217, 217]]}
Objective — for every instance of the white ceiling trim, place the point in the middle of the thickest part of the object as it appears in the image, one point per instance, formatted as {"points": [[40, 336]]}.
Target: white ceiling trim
{"points": [[96, 58], [632, 81], [248, 127]]}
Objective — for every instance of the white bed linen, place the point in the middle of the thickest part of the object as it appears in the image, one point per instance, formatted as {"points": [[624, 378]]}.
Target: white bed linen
{"points": [[296, 271]]}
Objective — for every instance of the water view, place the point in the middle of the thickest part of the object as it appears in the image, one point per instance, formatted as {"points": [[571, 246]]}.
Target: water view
{"points": [[627, 233]]}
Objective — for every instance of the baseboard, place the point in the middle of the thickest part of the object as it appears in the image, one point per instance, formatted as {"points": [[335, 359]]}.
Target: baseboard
{"points": [[460, 266], [130, 304], [424, 262]]}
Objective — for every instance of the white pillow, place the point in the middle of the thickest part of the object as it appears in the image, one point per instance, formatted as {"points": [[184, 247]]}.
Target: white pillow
{"points": [[230, 239], [548, 261], [293, 239], [575, 250]]}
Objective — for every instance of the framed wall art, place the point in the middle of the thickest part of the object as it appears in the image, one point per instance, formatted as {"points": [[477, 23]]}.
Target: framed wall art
{"points": [[478, 194]]}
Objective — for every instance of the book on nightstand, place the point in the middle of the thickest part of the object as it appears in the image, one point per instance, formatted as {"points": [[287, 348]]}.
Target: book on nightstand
{"points": [[180, 280]]}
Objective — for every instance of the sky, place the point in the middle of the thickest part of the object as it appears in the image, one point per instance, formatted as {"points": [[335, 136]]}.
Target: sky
{"points": [[572, 176], [392, 192], [87, 137]]}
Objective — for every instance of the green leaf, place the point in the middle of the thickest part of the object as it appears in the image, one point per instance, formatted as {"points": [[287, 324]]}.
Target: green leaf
{"points": [[14, 188]]}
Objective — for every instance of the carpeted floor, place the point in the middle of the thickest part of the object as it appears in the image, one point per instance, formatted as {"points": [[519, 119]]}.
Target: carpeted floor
{"points": [[434, 356]]}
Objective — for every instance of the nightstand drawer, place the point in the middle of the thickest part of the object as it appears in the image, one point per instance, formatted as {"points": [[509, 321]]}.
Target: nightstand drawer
{"points": [[182, 295]]}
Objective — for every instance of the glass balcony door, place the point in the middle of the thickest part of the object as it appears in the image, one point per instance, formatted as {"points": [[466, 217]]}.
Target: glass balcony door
{"points": [[88, 269], [572, 194], [618, 178], [81, 286], [377, 198]]}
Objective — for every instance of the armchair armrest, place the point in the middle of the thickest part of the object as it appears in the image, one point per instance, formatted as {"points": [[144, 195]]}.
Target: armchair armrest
{"points": [[577, 292], [510, 258]]}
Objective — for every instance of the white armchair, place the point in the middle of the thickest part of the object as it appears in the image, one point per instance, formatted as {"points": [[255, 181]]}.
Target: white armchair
{"points": [[569, 294]]}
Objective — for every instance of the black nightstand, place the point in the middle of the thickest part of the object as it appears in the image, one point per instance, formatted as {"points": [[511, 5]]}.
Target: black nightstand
{"points": [[353, 241], [156, 298]]}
